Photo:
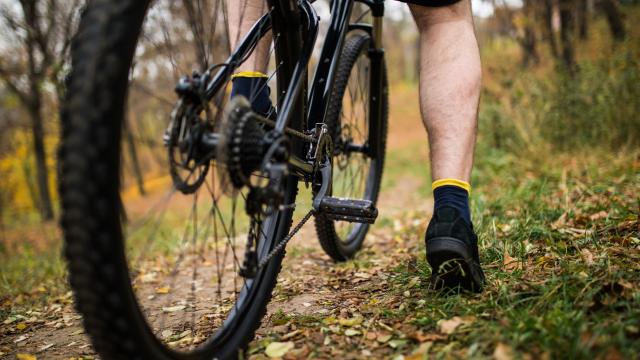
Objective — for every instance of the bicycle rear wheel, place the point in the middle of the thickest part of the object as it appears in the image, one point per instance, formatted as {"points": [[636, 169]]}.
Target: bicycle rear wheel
{"points": [[155, 266], [357, 174]]}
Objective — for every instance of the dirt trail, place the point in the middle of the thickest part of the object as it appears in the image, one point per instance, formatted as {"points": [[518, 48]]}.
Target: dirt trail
{"points": [[310, 285]]}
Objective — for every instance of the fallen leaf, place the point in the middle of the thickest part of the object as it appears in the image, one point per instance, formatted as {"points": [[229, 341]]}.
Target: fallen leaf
{"points": [[12, 319], [21, 326], [45, 347], [397, 343], [26, 357], [351, 322], [362, 275], [599, 215], [510, 264], [278, 349], [415, 281], [383, 338], [420, 352], [330, 320], [21, 338], [587, 256], [291, 335], [420, 336], [385, 326], [449, 326], [503, 352], [184, 334], [163, 290], [301, 353], [351, 332], [560, 222], [170, 309], [148, 278]]}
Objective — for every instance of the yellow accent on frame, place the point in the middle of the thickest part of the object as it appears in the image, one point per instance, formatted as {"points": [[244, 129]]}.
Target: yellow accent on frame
{"points": [[249, 74], [453, 182]]}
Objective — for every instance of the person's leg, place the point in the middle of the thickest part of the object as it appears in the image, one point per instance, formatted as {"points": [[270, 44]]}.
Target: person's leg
{"points": [[250, 78], [450, 75]]}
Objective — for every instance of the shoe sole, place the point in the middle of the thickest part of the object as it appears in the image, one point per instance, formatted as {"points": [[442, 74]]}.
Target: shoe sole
{"points": [[452, 265]]}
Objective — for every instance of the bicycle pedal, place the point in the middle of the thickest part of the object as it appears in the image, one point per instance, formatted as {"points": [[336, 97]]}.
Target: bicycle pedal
{"points": [[351, 210]]}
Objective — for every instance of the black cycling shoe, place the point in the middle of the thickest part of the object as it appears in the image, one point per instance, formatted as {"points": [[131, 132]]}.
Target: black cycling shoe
{"points": [[452, 252]]}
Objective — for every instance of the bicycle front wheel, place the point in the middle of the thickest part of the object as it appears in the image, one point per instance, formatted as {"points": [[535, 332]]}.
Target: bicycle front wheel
{"points": [[154, 245], [357, 173]]}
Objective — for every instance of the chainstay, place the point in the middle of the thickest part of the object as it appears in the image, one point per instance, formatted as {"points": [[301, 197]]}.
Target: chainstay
{"points": [[285, 240], [287, 130]]}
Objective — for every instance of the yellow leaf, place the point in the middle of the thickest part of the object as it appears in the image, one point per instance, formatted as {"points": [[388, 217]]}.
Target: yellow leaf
{"points": [[330, 320], [351, 322], [162, 290], [278, 349], [26, 357], [21, 326]]}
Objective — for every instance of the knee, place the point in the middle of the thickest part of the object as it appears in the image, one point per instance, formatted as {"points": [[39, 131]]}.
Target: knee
{"points": [[425, 17]]}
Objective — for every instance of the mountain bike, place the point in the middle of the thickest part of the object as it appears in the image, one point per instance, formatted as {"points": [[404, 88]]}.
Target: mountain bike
{"points": [[178, 201]]}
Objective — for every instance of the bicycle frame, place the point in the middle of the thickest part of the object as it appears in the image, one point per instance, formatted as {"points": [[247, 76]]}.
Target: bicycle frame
{"points": [[322, 83]]}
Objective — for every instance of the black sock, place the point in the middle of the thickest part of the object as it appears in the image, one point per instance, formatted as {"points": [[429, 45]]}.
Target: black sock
{"points": [[455, 197], [255, 89]]}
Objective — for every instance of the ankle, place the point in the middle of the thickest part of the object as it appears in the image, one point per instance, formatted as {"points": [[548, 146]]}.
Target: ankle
{"points": [[452, 193], [253, 86]]}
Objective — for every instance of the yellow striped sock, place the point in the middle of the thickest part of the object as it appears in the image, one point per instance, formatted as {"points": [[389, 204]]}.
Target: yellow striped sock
{"points": [[249, 74], [451, 182]]}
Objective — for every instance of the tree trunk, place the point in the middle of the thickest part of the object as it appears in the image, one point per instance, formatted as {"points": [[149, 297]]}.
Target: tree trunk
{"points": [[614, 18], [528, 42], [529, 50], [566, 36], [42, 172], [133, 154], [583, 19], [548, 24]]}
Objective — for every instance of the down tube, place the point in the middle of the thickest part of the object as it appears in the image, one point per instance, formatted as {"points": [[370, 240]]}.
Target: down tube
{"points": [[328, 64]]}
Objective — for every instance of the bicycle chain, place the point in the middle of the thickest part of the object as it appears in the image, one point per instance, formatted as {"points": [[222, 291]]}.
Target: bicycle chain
{"points": [[281, 245], [284, 241], [288, 130]]}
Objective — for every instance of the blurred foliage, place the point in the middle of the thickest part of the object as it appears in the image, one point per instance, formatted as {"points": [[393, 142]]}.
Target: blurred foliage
{"points": [[529, 111], [18, 186]]}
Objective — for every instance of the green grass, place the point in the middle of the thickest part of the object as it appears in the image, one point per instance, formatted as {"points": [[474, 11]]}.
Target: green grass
{"points": [[570, 224], [32, 276], [556, 302]]}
